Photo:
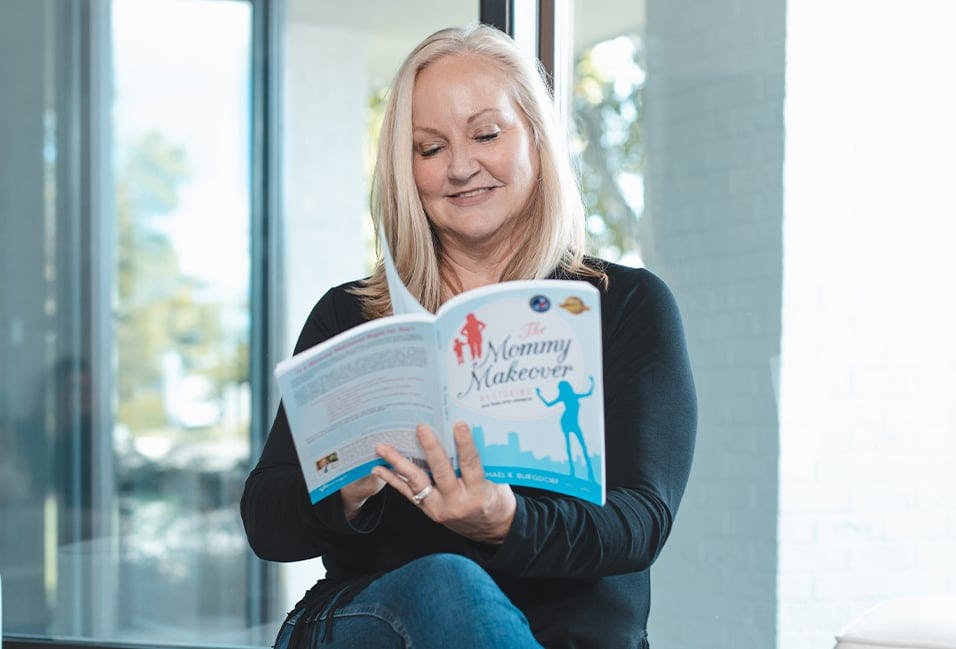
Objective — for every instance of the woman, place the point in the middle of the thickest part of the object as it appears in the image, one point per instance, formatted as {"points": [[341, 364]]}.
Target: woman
{"points": [[473, 186]]}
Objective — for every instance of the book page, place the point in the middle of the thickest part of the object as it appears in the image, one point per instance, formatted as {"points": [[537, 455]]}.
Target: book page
{"points": [[373, 385], [403, 302], [523, 368]]}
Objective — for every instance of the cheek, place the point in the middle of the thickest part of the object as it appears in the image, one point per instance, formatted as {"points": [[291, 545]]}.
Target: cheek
{"points": [[526, 166], [525, 162], [424, 178]]}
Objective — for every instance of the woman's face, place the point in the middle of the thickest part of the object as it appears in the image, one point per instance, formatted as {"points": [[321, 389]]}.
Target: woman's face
{"points": [[473, 160]]}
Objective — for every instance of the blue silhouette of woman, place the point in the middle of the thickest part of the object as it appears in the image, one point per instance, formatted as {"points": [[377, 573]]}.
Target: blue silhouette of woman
{"points": [[569, 420]]}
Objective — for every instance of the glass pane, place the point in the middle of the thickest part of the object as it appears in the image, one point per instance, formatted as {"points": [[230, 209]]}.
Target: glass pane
{"points": [[124, 421], [606, 123], [49, 432], [332, 107], [181, 163]]}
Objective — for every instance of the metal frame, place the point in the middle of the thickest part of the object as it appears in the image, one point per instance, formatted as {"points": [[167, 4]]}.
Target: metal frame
{"points": [[101, 243], [555, 51], [497, 13], [264, 291], [546, 19], [27, 642]]}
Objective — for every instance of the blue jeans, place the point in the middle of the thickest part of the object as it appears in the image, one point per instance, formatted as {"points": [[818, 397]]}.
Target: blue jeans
{"points": [[442, 600]]}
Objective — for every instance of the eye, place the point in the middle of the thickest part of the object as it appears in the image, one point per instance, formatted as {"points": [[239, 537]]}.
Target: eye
{"points": [[487, 137], [429, 150]]}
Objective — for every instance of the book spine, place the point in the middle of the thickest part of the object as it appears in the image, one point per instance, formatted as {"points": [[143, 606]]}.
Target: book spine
{"points": [[443, 383]]}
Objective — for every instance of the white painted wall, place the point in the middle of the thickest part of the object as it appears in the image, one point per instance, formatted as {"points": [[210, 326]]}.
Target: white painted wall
{"points": [[325, 215], [334, 57], [868, 410]]}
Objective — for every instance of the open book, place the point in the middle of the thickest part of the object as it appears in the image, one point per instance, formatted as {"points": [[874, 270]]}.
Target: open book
{"points": [[519, 362]]}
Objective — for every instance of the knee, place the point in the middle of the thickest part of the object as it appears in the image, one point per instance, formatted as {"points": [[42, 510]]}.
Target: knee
{"points": [[460, 600], [454, 579], [449, 571]]}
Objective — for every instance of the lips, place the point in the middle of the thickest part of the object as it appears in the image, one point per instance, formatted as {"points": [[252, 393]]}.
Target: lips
{"points": [[471, 192], [472, 197]]}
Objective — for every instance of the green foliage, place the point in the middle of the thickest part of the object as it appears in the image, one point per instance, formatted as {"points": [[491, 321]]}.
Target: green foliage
{"points": [[375, 115], [152, 175], [609, 141], [161, 311]]}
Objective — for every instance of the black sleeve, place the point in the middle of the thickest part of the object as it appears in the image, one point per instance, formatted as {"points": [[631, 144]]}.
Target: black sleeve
{"points": [[281, 523], [650, 427]]}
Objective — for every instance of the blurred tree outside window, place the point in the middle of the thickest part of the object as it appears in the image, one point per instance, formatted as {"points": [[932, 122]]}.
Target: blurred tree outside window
{"points": [[607, 142], [181, 436]]}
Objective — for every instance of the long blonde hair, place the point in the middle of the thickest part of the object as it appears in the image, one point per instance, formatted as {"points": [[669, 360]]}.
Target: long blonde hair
{"points": [[554, 238]]}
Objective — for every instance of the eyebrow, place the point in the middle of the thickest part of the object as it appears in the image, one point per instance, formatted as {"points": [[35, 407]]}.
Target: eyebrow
{"points": [[481, 113], [472, 119]]}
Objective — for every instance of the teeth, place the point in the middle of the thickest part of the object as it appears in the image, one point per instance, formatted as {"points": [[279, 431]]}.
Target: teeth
{"points": [[473, 192]]}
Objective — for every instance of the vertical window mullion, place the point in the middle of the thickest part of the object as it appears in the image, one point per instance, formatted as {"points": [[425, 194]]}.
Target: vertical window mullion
{"points": [[555, 51], [265, 302], [497, 13], [102, 264]]}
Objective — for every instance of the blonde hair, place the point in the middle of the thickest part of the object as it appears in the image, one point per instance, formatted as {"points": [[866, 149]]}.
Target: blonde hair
{"points": [[554, 238]]}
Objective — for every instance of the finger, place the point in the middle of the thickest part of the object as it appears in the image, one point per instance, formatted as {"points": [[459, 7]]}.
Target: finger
{"points": [[393, 480], [443, 473], [364, 487], [403, 468], [472, 471]]}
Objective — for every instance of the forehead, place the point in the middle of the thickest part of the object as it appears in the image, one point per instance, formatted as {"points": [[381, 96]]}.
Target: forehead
{"points": [[457, 87]]}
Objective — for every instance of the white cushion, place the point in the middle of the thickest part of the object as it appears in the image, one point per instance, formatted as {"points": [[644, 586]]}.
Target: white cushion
{"points": [[906, 623]]}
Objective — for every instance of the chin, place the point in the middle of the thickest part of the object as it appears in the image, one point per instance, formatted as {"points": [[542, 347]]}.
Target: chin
{"points": [[478, 236], [472, 229]]}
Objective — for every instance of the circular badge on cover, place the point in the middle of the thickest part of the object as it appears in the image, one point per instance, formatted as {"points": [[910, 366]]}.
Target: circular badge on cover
{"points": [[540, 303]]}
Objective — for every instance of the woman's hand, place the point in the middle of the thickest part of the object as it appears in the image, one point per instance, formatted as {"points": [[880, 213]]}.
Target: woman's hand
{"points": [[471, 505], [355, 494]]}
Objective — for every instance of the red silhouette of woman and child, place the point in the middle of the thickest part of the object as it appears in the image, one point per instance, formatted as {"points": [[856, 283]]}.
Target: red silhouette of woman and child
{"points": [[472, 332]]}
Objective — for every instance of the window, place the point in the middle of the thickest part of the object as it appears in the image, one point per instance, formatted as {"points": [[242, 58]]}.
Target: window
{"points": [[607, 93], [181, 339], [126, 418]]}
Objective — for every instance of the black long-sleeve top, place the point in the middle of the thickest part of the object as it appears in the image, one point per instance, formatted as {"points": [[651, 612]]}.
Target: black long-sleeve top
{"points": [[577, 570]]}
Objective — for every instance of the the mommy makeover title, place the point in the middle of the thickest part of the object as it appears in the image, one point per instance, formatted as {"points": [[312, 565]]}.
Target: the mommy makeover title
{"points": [[513, 361]]}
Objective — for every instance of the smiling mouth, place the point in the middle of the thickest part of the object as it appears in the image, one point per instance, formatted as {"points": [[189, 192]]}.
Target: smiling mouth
{"points": [[472, 192]]}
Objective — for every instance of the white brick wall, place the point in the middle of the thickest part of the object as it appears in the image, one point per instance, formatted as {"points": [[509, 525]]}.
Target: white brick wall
{"points": [[714, 228]]}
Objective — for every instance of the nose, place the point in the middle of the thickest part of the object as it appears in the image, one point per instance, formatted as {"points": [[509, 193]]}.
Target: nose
{"points": [[462, 165]]}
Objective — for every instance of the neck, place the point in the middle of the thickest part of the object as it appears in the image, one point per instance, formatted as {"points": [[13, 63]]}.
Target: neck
{"points": [[472, 267]]}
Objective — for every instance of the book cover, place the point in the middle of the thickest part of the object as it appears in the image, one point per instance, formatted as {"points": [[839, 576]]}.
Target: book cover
{"points": [[522, 366], [520, 362]]}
